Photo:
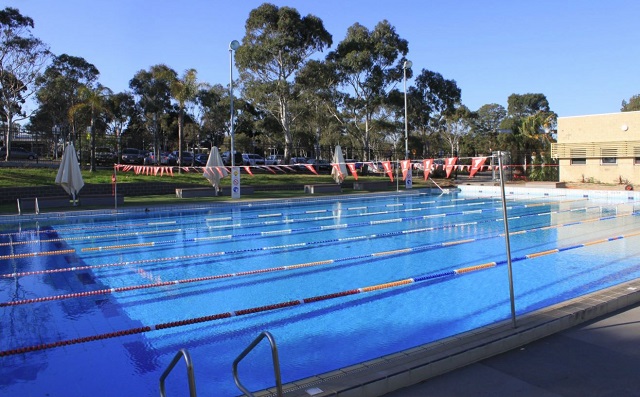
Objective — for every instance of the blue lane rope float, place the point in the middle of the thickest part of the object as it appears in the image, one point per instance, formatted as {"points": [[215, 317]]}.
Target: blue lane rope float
{"points": [[291, 303], [179, 230], [325, 262], [245, 225], [318, 228], [221, 253]]}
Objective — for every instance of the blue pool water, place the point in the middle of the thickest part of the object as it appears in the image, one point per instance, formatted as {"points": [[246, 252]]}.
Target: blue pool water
{"points": [[142, 276]]}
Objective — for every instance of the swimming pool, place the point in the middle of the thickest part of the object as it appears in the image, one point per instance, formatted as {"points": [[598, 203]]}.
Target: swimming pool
{"points": [[99, 304]]}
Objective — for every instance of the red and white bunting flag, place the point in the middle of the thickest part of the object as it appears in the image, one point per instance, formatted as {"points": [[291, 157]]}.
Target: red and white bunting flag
{"points": [[155, 171], [405, 164], [352, 168], [248, 169], [450, 164], [427, 164], [270, 168], [476, 165], [222, 171], [310, 168], [336, 167], [387, 168]]}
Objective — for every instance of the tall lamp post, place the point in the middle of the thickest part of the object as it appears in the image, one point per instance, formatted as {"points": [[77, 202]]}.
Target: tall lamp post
{"points": [[56, 137], [407, 65], [234, 45]]}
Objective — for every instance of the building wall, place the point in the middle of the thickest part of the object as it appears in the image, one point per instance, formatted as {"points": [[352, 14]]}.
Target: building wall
{"points": [[592, 138]]}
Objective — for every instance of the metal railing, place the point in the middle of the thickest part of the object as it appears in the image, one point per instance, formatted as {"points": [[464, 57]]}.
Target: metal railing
{"points": [[192, 381], [274, 355]]}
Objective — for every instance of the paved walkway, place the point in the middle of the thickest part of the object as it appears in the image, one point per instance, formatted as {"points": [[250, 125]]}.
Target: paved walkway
{"points": [[598, 358]]}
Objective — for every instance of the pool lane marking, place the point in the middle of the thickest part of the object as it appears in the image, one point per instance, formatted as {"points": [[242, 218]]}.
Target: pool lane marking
{"points": [[118, 226], [265, 308], [235, 225], [317, 263], [167, 231], [196, 256], [319, 228]]}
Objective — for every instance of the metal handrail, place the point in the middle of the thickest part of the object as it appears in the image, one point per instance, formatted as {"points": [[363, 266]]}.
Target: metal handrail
{"points": [[192, 380], [274, 356]]}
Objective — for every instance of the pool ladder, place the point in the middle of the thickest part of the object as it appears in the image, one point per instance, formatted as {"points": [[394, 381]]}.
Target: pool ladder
{"points": [[192, 382]]}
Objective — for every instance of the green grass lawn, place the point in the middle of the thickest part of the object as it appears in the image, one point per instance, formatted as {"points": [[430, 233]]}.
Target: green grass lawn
{"points": [[13, 177]]}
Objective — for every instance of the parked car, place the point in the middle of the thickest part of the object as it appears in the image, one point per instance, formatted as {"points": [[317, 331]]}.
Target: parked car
{"points": [[320, 165], [226, 159], [274, 159], [298, 162], [106, 156], [149, 157], [252, 159], [174, 158], [200, 159], [132, 156], [18, 153], [164, 158]]}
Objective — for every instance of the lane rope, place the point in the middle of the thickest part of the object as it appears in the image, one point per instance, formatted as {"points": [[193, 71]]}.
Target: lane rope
{"points": [[234, 252], [319, 263], [291, 303]]}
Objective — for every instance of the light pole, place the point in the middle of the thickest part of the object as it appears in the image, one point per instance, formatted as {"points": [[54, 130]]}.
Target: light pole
{"points": [[234, 45], [407, 65], [56, 136]]}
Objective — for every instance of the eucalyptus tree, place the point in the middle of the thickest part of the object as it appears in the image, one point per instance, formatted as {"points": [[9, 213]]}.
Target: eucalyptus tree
{"points": [[429, 102], [457, 127], [122, 108], [94, 101], [277, 43], [316, 86], [22, 57], [520, 110], [184, 90], [369, 64], [213, 106], [152, 89], [486, 125], [632, 105], [58, 91]]}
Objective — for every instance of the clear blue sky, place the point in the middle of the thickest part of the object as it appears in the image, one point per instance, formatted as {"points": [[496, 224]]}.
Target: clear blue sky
{"points": [[582, 54]]}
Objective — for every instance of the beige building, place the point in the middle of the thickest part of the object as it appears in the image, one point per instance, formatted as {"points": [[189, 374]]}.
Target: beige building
{"points": [[601, 148]]}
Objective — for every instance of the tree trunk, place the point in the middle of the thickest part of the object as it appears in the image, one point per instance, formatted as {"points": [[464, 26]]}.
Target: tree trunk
{"points": [[7, 140], [180, 119]]}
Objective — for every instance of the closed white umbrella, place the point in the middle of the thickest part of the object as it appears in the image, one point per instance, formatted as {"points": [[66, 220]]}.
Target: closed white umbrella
{"points": [[69, 175], [215, 169], [339, 170]]}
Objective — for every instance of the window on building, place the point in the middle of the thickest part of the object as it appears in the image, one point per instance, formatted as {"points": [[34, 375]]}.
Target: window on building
{"points": [[578, 156], [609, 155]]}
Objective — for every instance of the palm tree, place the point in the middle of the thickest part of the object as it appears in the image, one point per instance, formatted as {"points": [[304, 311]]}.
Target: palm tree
{"points": [[95, 101], [184, 90]]}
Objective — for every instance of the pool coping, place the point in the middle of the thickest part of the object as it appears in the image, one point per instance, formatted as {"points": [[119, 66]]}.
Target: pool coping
{"points": [[392, 372]]}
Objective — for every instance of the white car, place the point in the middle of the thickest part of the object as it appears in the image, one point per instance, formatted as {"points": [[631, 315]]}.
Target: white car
{"points": [[274, 159], [252, 159]]}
